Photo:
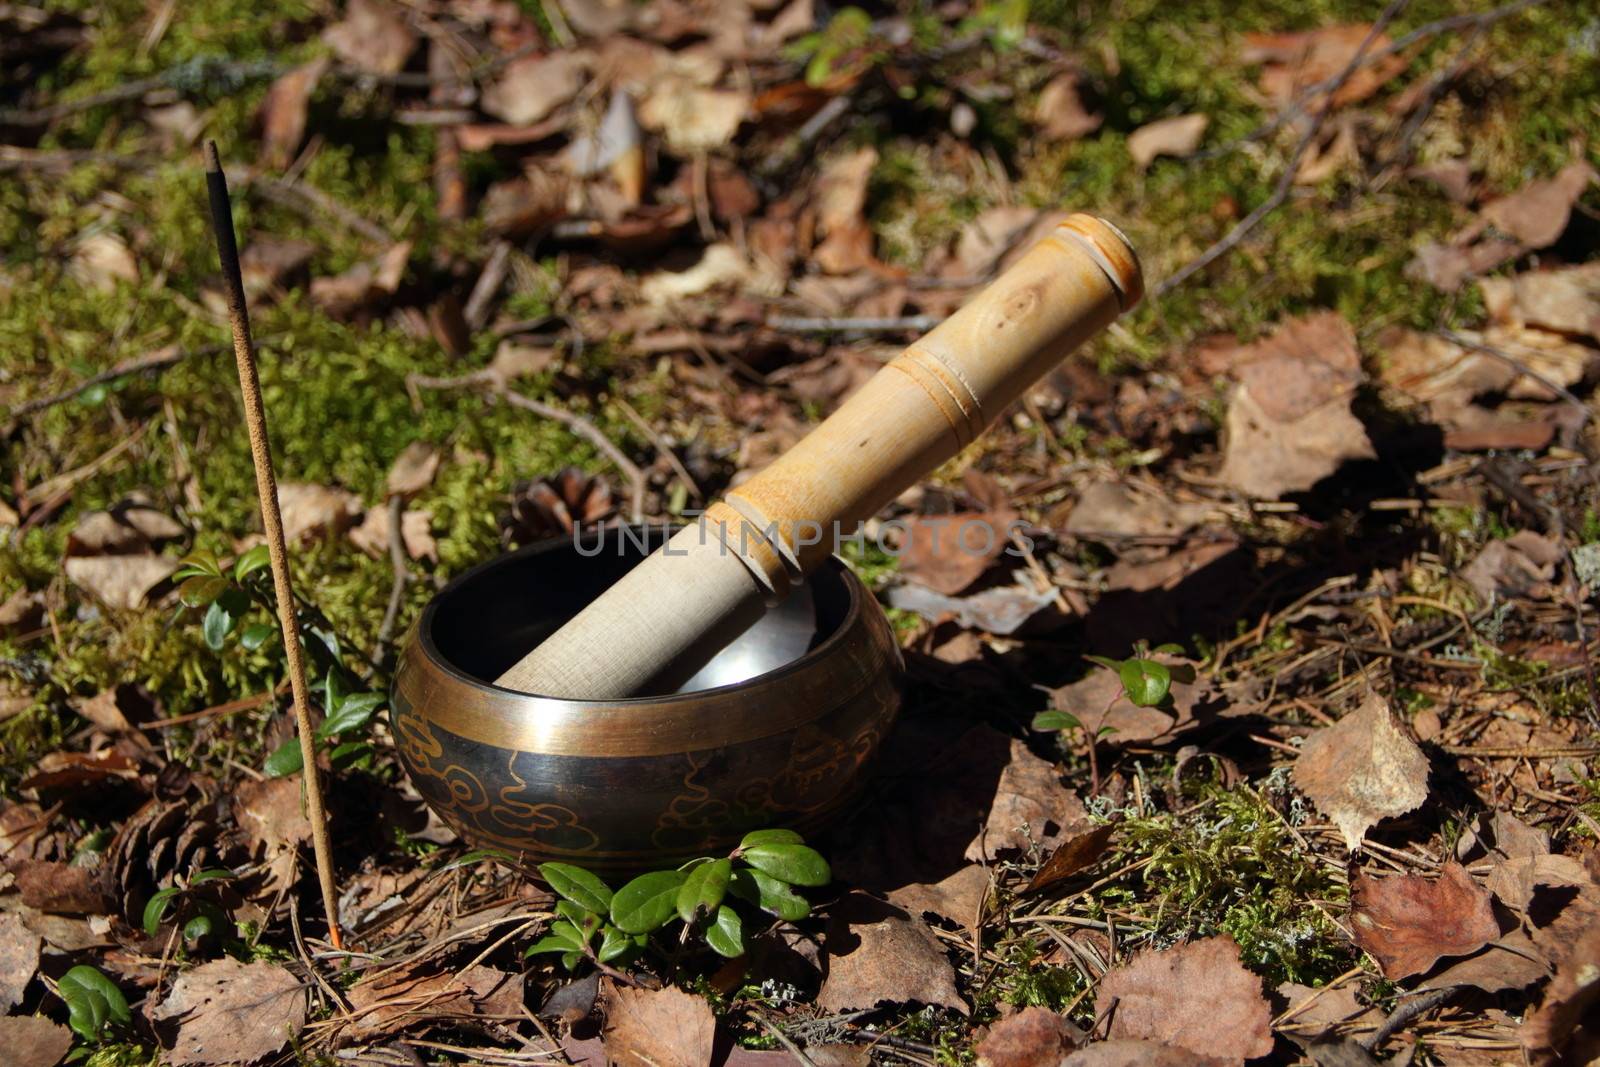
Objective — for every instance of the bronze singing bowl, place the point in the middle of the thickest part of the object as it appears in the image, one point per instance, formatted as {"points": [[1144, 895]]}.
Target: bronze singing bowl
{"points": [[776, 731]]}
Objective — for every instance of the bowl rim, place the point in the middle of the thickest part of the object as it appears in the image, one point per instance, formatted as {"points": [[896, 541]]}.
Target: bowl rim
{"points": [[771, 703]]}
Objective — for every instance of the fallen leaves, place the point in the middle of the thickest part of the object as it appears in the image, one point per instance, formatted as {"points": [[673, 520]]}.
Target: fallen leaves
{"points": [[875, 954], [227, 1012], [1196, 997], [1289, 423], [657, 1027], [1177, 136], [393, 1002], [31, 1041], [1362, 769], [1293, 63], [373, 36], [1061, 113], [19, 959], [532, 87], [1034, 1037], [1031, 807], [1408, 922]]}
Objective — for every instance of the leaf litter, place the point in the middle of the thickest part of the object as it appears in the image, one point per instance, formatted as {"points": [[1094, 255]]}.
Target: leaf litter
{"points": [[1363, 527]]}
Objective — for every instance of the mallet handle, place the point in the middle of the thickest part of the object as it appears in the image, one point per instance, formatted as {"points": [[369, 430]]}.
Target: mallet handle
{"points": [[677, 608]]}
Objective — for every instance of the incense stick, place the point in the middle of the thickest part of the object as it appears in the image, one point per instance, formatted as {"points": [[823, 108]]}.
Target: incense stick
{"points": [[255, 418]]}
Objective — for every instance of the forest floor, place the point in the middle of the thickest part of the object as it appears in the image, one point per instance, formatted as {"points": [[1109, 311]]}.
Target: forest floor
{"points": [[1323, 507]]}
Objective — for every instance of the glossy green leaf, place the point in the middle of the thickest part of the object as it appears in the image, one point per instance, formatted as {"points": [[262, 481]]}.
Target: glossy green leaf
{"points": [[256, 634], [156, 910], [646, 903], [351, 713], [577, 885], [703, 889], [92, 1000], [349, 754], [1145, 681], [726, 935], [1056, 720], [198, 928], [769, 894], [201, 590], [250, 562], [773, 836], [563, 937], [585, 920], [478, 855], [285, 759], [795, 864], [211, 874], [571, 960], [613, 943]]}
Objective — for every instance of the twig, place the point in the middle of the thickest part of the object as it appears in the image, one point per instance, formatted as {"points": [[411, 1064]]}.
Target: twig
{"points": [[402, 573], [272, 522], [1404, 1014], [160, 359], [662, 447], [490, 279], [207, 71], [783, 1039], [1520, 367], [1286, 183], [300, 195], [576, 423], [891, 324], [1408, 135]]}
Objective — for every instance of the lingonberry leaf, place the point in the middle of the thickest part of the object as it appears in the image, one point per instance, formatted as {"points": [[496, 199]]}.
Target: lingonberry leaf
{"points": [[769, 894], [646, 903], [795, 864], [577, 885], [703, 889], [772, 836], [1145, 681], [726, 935]]}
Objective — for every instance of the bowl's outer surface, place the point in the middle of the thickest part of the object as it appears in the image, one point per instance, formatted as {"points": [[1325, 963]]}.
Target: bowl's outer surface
{"points": [[632, 783]]}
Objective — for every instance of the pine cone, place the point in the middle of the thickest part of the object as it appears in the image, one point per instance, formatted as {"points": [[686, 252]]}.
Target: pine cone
{"points": [[551, 507], [162, 841]]}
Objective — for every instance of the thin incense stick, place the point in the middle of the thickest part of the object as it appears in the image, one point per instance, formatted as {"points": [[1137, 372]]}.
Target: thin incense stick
{"points": [[255, 420]]}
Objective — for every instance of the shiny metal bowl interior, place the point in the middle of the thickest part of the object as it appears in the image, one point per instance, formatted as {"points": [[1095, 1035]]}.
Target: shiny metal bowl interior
{"points": [[777, 730]]}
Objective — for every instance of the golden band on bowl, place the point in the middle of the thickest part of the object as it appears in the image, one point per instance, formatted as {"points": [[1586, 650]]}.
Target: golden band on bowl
{"points": [[634, 782]]}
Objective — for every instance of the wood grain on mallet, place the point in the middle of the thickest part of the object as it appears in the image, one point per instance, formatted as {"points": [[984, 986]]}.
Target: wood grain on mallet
{"points": [[674, 611]]}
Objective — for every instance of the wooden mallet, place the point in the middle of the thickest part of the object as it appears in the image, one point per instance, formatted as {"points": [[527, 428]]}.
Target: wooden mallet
{"points": [[676, 609]]}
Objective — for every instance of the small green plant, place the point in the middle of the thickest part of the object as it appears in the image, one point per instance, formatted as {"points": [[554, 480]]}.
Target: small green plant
{"points": [[839, 49], [1145, 682], [93, 1001], [346, 716], [226, 598], [201, 919], [763, 872]]}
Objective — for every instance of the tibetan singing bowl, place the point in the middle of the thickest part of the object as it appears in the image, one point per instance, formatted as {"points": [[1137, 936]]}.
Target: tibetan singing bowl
{"points": [[776, 731]]}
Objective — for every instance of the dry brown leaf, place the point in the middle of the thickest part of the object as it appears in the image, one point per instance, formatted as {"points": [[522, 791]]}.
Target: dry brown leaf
{"points": [[413, 469], [397, 1001], [841, 199], [1177, 136], [1076, 853], [1098, 702], [1116, 511], [416, 533], [1289, 423], [116, 709], [364, 284], [875, 953], [272, 816], [315, 510], [1562, 301], [373, 35], [691, 118], [947, 553], [956, 898], [1515, 881], [1446, 266], [1034, 1037], [720, 266], [120, 582], [1435, 371], [128, 529], [1061, 114], [227, 1012], [101, 260], [1031, 807], [33, 1041], [1407, 922], [19, 959], [1196, 996], [1513, 962], [283, 112], [268, 261], [1293, 62], [1362, 769], [532, 87], [1313, 1012], [63, 889], [1565, 1020], [1502, 570], [1537, 214], [1125, 1053], [657, 1027]]}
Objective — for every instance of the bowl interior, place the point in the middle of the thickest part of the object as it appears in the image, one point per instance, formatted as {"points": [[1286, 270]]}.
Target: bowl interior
{"points": [[488, 618]]}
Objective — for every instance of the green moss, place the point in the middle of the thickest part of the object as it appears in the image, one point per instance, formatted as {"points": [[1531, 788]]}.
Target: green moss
{"points": [[1232, 865]]}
